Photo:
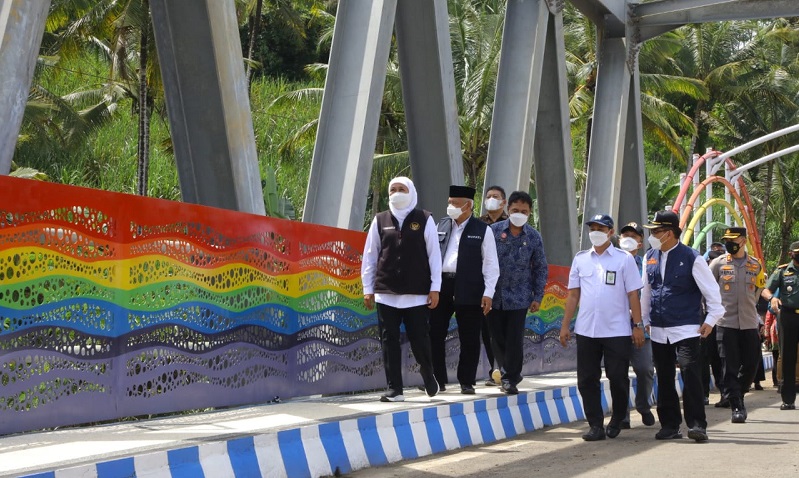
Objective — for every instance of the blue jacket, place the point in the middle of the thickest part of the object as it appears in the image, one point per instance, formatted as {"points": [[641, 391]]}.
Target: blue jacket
{"points": [[676, 299]]}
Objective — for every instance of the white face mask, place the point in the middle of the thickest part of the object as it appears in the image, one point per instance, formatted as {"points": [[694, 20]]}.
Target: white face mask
{"points": [[628, 244], [454, 211], [655, 242], [518, 219], [400, 200], [597, 238], [492, 204]]}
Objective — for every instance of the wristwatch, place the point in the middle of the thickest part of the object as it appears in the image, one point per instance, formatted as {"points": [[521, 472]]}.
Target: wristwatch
{"points": [[640, 325]]}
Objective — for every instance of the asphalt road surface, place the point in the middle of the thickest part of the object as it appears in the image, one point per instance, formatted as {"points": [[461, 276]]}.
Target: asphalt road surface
{"points": [[766, 445]]}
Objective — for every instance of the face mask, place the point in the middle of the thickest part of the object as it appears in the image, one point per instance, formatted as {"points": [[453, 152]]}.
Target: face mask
{"points": [[628, 244], [597, 238], [454, 211], [492, 204], [655, 242], [795, 257], [518, 219], [732, 247], [400, 200]]}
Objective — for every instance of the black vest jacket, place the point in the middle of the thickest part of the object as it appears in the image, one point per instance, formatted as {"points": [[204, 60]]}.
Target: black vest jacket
{"points": [[469, 283], [403, 266]]}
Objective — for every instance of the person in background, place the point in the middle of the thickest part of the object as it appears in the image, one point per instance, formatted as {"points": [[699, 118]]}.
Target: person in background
{"points": [[522, 279], [711, 362], [401, 273], [494, 206], [469, 275], [632, 241]]}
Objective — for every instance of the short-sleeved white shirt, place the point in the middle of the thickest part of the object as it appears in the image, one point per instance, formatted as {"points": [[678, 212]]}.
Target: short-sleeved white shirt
{"points": [[604, 282]]}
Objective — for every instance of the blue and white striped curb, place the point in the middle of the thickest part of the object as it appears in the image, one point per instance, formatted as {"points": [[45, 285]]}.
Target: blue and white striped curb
{"points": [[352, 444]]}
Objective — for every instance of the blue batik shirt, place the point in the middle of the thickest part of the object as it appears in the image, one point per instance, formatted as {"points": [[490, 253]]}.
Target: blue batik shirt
{"points": [[522, 267]]}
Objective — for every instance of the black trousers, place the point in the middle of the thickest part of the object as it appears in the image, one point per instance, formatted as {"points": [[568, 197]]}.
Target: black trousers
{"points": [[740, 352], [616, 351], [469, 318], [711, 362], [686, 354], [789, 338], [486, 335], [416, 328], [507, 335]]}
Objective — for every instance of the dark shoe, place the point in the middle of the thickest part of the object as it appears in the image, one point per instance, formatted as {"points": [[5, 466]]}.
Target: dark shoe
{"points": [[648, 418], [467, 390], [613, 430], [441, 388], [491, 383], [707, 401], [787, 406], [432, 388], [625, 425], [758, 386], [697, 434], [594, 434], [392, 396], [738, 416], [509, 388], [668, 434], [723, 403]]}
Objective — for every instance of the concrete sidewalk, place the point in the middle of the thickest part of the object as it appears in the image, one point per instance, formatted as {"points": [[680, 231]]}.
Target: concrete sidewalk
{"points": [[313, 436]]}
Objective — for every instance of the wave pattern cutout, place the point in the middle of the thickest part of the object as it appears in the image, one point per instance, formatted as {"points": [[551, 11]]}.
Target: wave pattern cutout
{"points": [[146, 306]]}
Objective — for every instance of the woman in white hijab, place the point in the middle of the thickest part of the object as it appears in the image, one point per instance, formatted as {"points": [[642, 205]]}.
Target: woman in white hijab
{"points": [[401, 273]]}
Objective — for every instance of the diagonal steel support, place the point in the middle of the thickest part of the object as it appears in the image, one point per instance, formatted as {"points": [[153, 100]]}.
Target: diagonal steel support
{"points": [[531, 122], [633, 202], [21, 28]]}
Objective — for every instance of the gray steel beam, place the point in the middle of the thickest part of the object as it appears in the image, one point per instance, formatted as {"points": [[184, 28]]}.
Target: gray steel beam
{"points": [[554, 168], [601, 11], [345, 141], [609, 125], [208, 104], [633, 203], [428, 91], [681, 12], [21, 28]]}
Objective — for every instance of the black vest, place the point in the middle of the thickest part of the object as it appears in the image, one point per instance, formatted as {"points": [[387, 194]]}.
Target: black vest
{"points": [[403, 266], [676, 299], [469, 283]]}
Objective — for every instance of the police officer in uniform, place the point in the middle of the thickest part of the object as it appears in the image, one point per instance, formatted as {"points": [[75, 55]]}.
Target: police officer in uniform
{"points": [[741, 279], [469, 275], [785, 282], [676, 279], [401, 272]]}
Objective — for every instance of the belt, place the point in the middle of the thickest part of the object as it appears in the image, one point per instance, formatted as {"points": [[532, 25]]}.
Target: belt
{"points": [[447, 275]]}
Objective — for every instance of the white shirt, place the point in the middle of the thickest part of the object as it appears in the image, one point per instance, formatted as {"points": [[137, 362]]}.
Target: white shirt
{"points": [[604, 281], [488, 248], [707, 285], [371, 253]]}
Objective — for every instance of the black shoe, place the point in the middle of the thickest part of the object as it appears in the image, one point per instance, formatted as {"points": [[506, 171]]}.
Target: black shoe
{"points": [[758, 386], [624, 425], [697, 434], [787, 406], [613, 430], [648, 418], [668, 434], [467, 389], [738, 416], [392, 396], [431, 387], [594, 434], [509, 388], [723, 403]]}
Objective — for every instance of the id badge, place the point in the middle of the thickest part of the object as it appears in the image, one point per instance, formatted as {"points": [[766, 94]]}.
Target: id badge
{"points": [[610, 277]]}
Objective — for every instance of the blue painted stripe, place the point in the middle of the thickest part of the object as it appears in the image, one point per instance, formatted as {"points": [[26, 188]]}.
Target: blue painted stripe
{"points": [[333, 442], [293, 453], [243, 458], [578, 408], [505, 417], [116, 468], [185, 462], [434, 433], [460, 424], [524, 410], [485, 423], [371, 441], [541, 400], [402, 428], [562, 413]]}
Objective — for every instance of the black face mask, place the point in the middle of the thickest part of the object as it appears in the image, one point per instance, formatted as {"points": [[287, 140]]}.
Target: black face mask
{"points": [[795, 258], [732, 247]]}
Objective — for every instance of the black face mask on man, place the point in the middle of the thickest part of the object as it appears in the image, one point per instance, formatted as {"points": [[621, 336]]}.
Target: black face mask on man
{"points": [[732, 247]]}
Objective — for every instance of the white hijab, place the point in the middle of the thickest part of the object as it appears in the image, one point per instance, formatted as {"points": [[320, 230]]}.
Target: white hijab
{"points": [[401, 214]]}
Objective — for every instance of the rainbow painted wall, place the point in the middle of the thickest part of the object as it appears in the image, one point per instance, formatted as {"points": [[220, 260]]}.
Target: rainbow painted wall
{"points": [[114, 305]]}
